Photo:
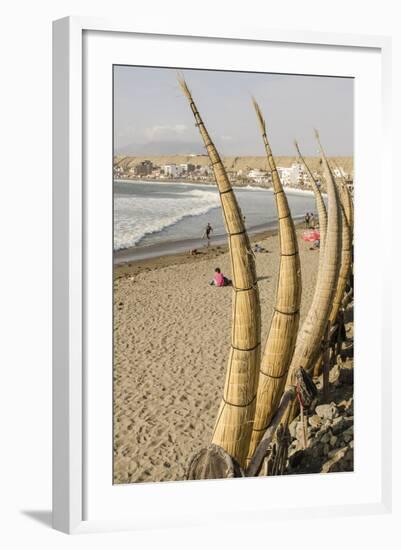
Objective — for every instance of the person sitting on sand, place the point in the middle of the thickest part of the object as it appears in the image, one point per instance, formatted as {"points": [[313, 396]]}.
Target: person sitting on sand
{"points": [[219, 279], [258, 248]]}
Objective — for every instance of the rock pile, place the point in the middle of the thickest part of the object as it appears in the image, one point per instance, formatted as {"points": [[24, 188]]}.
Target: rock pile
{"points": [[328, 430]]}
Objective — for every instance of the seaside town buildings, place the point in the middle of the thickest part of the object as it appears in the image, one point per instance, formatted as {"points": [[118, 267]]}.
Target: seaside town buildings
{"points": [[171, 170], [294, 176], [259, 176]]}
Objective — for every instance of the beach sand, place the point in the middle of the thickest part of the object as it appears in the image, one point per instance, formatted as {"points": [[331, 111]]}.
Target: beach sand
{"points": [[171, 344]]}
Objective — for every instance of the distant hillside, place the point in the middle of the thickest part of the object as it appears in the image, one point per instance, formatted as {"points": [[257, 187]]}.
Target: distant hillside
{"points": [[232, 163]]}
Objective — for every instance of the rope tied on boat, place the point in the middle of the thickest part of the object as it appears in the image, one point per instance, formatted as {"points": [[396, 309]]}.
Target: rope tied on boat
{"points": [[305, 387]]}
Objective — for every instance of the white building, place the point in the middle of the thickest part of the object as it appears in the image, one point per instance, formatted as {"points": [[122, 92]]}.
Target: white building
{"points": [[259, 176], [293, 175], [285, 175], [298, 174], [171, 170], [205, 170], [256, 173]]}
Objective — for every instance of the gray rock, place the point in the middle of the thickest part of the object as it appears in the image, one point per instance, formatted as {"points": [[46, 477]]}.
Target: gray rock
{"points": [[328, 412], [292, 428], [332, 453], [326, 449], [333, 440], [350, 406], [315, 421], [349, 456], [316, 451], [341, 423], [346, 376], [349, 431], [324, 430], [334, 462], [325, 437], [337, 425]]}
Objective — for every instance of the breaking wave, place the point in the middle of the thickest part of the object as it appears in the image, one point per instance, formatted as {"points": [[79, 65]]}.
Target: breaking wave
{"points": [[137, 216]]}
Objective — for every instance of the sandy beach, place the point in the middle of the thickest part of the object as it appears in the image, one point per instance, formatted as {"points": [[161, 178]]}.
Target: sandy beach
{"points": [[172, 334]]}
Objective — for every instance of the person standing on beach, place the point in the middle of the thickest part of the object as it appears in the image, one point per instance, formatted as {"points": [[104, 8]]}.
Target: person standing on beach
{"points": [[312, 220], [307, 220], [207, 232]]}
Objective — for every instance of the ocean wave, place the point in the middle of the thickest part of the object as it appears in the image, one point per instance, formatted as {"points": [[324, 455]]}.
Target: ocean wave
{"points": [[135, 217], [254, 188]]}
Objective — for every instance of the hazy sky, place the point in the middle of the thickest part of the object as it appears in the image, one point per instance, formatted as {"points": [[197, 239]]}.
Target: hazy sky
{"points": [[152, 116]]}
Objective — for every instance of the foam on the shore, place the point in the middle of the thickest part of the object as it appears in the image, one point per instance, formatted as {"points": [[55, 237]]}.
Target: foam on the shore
{"points": [[145, 215]]}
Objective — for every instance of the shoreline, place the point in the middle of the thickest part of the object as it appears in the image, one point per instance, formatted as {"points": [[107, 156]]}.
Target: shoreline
{"points": [[212, 183], [183, 246], [136, 266]]}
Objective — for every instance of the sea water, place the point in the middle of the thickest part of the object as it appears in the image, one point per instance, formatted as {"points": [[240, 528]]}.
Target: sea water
{"points": [[150, 213]]}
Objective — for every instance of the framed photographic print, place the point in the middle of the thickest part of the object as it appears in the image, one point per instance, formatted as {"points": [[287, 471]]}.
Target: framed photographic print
{"points": [[218, 281]]}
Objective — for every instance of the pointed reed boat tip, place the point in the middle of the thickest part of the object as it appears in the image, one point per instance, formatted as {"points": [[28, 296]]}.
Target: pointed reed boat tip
{"points": [[317, 136], [297, 150], [261, 120], [183, 85]]}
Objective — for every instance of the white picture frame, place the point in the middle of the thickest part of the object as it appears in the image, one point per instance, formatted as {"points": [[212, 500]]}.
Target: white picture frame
{"points": [[72, 423]]}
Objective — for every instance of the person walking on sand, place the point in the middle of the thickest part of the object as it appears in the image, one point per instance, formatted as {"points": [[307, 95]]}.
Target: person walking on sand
{"points": [[307, 218], [207, 232]]}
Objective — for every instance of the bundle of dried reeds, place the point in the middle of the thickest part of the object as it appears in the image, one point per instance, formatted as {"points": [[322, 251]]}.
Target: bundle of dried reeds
{"points": [[314, 326], [346, 252], [233, 426], [281, 338]]}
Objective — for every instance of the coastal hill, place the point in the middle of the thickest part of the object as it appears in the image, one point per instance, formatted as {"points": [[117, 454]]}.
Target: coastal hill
{"points": [[232, 163]]}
